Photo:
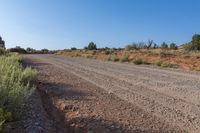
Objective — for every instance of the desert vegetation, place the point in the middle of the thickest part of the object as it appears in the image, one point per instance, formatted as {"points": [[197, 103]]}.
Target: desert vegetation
{"points": [[16, 85], [185, 56]]}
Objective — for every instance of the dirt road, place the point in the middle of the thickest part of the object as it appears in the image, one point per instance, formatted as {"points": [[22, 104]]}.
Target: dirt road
{"points": [[124, 97]]}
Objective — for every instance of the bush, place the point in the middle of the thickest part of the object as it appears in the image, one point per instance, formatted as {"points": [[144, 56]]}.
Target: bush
{"points": [[129, 47], [165, 65], [137, 61], [73, 48], [124, 58], [107, 52], [158, 62], [189, 47], [173, 46], [194, 44], [44, 50], [196, 41], [164, 45], [18, 50], [135, 46], [15, 82], [2, 51], [30, 50], [92, 46], [113, 58]]}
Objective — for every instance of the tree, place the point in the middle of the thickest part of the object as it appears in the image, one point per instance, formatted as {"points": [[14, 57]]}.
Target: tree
{"points": [[2, 43], [149, 44], [164, 45], [196, 41], [173, 46], [18, 49], [155, 46], [44, 50], [194, 44], [30, 50], [73, 48], [92, 46]]}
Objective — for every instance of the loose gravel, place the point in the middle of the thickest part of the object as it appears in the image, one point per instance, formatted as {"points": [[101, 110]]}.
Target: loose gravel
{"points": [[170, 99]]}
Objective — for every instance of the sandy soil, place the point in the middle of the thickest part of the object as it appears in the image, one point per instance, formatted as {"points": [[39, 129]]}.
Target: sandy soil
{"points": [[84, 95]]}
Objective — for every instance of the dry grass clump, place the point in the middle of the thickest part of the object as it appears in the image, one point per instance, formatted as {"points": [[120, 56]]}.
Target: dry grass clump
{"points": [[125, 58]]}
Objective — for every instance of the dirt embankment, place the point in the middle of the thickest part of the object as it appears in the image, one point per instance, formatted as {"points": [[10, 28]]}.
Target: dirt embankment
{"points": [[81, 95], [170, 58]]}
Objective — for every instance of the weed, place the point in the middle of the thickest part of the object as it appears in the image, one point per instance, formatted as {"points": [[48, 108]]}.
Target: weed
{"points": [[109, 58], [124, 58], [137, 61], [158, 62], [166, 65], [16, 84], [113, 58], [107, 52]]}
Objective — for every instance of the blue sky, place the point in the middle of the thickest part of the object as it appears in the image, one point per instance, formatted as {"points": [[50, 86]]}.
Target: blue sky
{"points": [[59, 24]]}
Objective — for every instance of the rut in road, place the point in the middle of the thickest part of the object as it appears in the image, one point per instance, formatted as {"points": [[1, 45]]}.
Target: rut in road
{"points": [[171, 95]]}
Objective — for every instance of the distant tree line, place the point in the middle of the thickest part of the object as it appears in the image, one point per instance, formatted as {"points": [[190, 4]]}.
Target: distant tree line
{"points": [[194, 44], [150, 45]]}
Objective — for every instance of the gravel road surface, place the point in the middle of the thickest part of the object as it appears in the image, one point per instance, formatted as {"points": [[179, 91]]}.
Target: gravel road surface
{"points": [[165, 100]]}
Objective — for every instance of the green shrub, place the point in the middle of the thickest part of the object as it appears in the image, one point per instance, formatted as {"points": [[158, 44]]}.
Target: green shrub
{"points": [[44, 50], [164, 45], [124, 58], [92, 46], [135, 46], [194, 44], [73, 48], [158, 62], [18, 49], [137, 61], [109, 58], [173, 46], [113, 58], [16, 83], [165, 65], [59, 52], [107, 52]]}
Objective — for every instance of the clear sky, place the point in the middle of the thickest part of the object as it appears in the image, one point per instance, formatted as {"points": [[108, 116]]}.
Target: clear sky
{"points": [[58, 24]]}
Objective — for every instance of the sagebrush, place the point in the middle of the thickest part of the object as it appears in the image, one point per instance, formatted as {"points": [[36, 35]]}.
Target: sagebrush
{"points": [[16, 84]]}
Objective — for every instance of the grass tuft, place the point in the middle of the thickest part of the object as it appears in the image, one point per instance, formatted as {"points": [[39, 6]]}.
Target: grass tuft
{"points": [[137, 61], [124, 58]]}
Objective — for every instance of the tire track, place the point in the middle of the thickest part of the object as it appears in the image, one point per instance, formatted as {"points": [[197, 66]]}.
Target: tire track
{"points": [[181, 112]]}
